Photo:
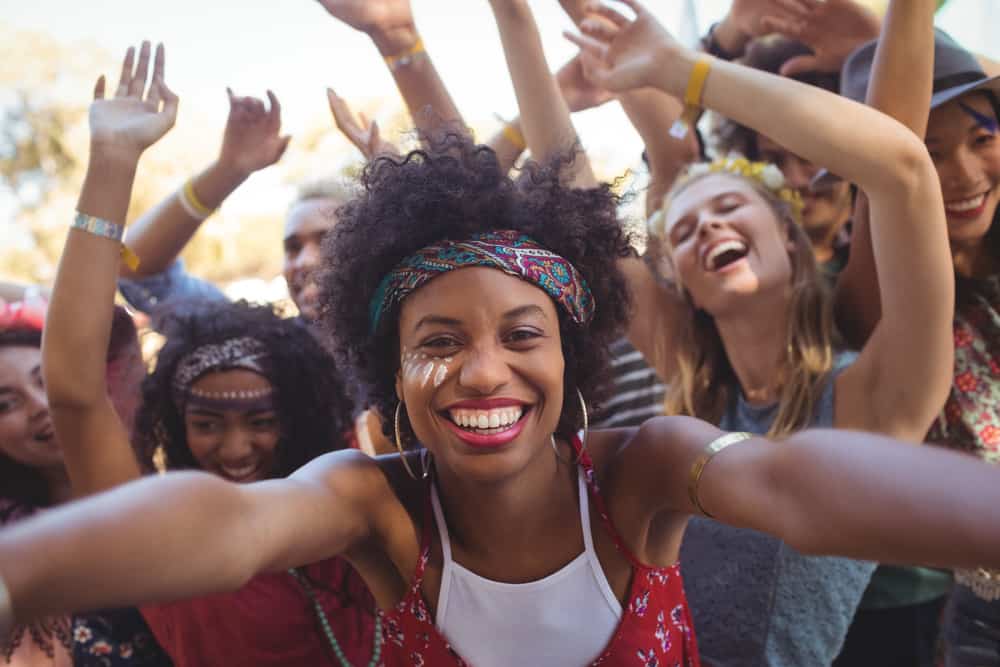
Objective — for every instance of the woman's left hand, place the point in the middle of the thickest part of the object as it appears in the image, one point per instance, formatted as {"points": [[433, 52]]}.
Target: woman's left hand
{"points": [[134, 119]]}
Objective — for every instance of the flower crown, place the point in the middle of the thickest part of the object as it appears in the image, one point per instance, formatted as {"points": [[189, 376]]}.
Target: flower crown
{"points": [[764, 173]]}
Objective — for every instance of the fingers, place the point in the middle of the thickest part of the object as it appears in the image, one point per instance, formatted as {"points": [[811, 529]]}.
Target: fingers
{"points": [[274, 112], [138, 82], [785, 26], [170, 101], [800, 8], [607, 13], [599, 28], [342, 115], [283, 146], [126, 76], [800, 65], [588, 45], [99, 88], [156, 87]]}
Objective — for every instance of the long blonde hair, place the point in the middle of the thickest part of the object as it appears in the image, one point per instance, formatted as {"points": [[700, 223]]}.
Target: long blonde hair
{"points": [[704, 381]]}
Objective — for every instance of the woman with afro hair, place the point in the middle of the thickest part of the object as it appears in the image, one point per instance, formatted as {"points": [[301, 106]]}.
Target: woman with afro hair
{"points": [[237, 392], [474, 309]]}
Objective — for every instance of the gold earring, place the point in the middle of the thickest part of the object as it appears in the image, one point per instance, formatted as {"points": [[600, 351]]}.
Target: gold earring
{"points": [[399, 445]]}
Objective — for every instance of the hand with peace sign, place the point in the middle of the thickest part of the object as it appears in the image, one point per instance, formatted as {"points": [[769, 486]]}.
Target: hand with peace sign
{"points": [[137, 116]]}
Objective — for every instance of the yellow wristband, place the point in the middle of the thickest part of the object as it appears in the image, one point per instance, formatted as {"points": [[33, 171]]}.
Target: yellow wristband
{"points": [[698, 467], [514, 136], [194, 205], [406, 57], [692, 98]]}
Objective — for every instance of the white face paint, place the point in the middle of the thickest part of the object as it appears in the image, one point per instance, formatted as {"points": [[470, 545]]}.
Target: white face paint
{"points": [[423, 367]]}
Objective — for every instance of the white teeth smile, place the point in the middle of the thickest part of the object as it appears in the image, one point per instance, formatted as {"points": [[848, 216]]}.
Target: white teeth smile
{"points": [[966, 204], [717, 251], [499, 418], [241, 472]]}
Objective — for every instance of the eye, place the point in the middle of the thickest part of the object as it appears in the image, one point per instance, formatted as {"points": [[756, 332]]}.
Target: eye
{"points": [[524, 335], [440, 342], [680, 233], [265, 423], [984, 140], [204, 426], [8, 404]]}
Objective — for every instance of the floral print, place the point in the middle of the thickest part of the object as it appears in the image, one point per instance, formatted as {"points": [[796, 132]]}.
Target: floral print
{"points": [[970, 420], [655, 630]]}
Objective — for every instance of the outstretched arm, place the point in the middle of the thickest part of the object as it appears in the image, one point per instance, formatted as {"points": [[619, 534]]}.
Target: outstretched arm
{"points": [[828, 492], [252, 141], [885, 390], [78, 328], [390, 25], [209, 536]]}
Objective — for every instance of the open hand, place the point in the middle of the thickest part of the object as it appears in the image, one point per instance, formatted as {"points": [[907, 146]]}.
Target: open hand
{"points": [[747, 16], [371, 16], [833, 29], [577, 89], [621, 54], [252, 139], [135, 118], [359, 131]]}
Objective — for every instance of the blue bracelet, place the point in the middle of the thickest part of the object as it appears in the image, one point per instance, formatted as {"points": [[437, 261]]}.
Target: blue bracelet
{"points": [[99, 227]]}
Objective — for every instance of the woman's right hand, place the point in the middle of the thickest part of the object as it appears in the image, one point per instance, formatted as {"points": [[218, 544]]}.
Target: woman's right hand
{"points": [[135, 118], [252, 139]]}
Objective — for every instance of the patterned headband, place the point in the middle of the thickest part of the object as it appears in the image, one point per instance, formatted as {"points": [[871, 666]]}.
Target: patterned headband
{"points": [[509, 251], [247, 353]]}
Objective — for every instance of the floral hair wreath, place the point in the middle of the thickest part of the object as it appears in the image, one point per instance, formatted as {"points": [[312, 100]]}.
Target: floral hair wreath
{"points": [[764, 173]]}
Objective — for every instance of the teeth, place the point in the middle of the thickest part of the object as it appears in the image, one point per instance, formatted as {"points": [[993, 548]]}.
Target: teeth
{"points": [[486, 419], [966, 204], [724, 247]]}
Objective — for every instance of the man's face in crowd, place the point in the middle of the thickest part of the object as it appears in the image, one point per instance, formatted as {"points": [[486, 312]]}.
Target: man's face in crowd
{"points": [[307, 223]]}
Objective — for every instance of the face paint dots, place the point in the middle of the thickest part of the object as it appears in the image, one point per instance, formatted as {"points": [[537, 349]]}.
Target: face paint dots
{"points": [[418, 366]]}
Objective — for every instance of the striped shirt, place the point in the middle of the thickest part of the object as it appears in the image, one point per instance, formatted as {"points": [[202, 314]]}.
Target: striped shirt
{"points": [[638, 392]]}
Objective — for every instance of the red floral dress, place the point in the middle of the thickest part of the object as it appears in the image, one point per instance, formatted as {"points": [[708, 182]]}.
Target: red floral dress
{"points": [[655, 629]]}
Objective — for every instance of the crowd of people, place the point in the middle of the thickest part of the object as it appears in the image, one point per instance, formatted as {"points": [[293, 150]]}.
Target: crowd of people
{"points": [[496, 434]]}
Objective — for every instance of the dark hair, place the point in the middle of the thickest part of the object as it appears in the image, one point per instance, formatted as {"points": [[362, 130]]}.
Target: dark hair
{"points": [[451, 191], [767, 54], [313, 409], [23, 485]]}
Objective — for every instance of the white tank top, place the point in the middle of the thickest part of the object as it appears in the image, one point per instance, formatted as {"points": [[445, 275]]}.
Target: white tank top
{"points": [[495, 624]]}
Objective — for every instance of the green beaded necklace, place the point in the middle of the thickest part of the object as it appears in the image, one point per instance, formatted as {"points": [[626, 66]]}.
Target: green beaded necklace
{"points": [[307, 588]]}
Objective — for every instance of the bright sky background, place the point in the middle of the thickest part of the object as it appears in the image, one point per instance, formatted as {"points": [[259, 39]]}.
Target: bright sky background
{"points": [[295, 48]]}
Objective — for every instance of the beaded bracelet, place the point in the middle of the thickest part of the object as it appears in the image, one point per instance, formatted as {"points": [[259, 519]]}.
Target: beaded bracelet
{"points": [[108, 230], [707, 454]]}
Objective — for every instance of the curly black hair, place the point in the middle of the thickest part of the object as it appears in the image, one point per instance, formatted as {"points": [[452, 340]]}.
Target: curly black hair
{"points": [[453, 190], [22, 485], [313, 409]]}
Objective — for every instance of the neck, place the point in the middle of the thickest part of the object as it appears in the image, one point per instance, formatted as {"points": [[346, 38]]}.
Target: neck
{"points": [[974, 260], [754, 340], [823, 239], [60, 489], [508, 520]]}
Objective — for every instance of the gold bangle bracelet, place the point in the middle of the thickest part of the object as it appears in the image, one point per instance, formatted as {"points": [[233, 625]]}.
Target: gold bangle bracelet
{"points": [[707, 454]]}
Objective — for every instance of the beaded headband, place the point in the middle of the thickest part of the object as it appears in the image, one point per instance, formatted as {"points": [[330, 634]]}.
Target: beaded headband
{"points": [[763, 173], [236, 353], [509, 251]]}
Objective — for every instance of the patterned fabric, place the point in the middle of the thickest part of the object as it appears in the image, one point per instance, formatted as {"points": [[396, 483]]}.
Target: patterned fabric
{"points": [[509, 251], [655, 629], [971, 418], [246, 352]]}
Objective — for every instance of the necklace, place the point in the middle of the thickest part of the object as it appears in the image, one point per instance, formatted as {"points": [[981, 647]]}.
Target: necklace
{"points": [[307, 588]]}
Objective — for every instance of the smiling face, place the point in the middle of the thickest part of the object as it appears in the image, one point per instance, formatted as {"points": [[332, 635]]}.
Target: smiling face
{"points": [[26, 432], [962, 141], [481, 371], [726, 243], [307, 223], [824, 212], [233, 437]]}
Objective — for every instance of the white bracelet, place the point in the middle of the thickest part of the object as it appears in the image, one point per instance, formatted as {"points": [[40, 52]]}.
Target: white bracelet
{"points": [[188, 208], [6, 612]]}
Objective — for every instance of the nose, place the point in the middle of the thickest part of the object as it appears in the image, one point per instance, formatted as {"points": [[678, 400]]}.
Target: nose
{"points": [[236, 443], [37, 402], [708, 223], [308, 257], [484, 370], [963, 170]]}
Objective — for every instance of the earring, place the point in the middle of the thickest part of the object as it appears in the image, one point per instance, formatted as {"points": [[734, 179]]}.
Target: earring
{"points": [[399, 447], [583, 438]]}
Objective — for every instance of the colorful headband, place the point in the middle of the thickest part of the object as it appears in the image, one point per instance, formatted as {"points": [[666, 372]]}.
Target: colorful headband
{"points": [[509, 251], [247, 353], [763, 173]]}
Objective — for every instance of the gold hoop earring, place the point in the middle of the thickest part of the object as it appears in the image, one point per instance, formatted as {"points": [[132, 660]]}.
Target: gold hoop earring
{"points": [[399, 445], [586, 422]]}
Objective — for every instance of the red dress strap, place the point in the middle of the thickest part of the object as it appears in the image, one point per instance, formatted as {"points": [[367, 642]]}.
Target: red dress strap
{"points": [[595, 495]]}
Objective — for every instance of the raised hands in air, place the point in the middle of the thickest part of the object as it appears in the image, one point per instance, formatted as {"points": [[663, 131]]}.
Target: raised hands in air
{"points": [[833, 29], [388, 22], [361, 132], [137, 115], [579, 91], [252, 139]]}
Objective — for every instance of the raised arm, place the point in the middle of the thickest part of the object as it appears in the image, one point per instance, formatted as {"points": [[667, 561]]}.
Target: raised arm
{"points": [[390, 25], [885, 390], [545, 115], [78, 327], [906, 49], [252, 140], [182, 535]]}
